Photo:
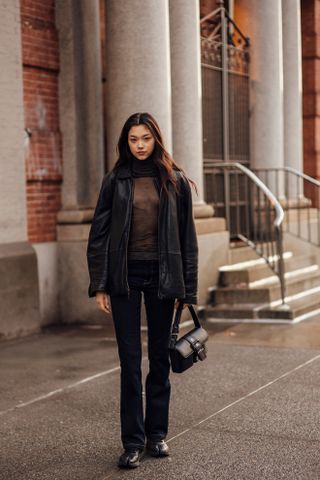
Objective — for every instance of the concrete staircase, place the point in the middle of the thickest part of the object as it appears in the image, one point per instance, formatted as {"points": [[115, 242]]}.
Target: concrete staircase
{"points": [[248, 290]]}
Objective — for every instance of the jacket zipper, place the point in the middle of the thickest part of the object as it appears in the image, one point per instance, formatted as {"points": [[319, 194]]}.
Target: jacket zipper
{"points": [[128, 233]]}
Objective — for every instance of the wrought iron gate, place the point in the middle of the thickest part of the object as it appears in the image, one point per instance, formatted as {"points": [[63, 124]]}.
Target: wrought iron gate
{"points": [[225, 104]]}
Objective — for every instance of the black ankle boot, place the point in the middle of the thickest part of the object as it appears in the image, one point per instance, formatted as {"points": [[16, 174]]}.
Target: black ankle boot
{"points": [[130, 458], [157, 448]]}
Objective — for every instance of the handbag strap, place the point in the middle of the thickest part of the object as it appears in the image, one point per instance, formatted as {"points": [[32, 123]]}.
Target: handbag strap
{"points": [[177, 318]]}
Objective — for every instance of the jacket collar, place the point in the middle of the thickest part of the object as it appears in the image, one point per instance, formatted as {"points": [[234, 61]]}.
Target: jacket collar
{"points": [[124, 171]]}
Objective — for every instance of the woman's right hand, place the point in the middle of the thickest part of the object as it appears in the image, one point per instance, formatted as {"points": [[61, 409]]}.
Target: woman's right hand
{"points": [[103, 302]]}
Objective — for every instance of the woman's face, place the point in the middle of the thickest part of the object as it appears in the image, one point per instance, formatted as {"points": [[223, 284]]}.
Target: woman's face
{"points": [[141, 141]]}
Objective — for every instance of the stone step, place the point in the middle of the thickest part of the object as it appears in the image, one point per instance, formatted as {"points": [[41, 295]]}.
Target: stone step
{"points": [[298, 306], [241, 254], [302, 304], [249, 289], [254, 261], [235, 274], [292, 274], [227, 310], [296, 283]]}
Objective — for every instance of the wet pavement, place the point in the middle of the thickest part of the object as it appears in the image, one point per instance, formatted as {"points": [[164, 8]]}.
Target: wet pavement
{"points": [[250, 411]]}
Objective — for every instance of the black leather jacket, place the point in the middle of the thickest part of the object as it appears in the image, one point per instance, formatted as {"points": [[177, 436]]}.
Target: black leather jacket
{"points": [[109, 235]]}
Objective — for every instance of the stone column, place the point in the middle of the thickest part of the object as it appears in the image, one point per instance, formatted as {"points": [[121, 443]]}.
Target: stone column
{"points": [[80, 103], [18, 263], [81, 123], [13, 218], [138, 66], [262, 22], [186, 95], [292, 76]]}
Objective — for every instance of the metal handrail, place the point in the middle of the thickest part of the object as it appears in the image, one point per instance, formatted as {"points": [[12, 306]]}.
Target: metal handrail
{"points": [[302, 175], [253, 230], [280, 214], [301, 198], [291, 170]]}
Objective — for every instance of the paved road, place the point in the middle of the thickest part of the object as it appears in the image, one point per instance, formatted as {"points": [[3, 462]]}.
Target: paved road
{"points": [[250, 411]]}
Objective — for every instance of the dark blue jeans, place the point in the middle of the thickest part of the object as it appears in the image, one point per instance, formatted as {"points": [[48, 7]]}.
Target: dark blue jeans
{"points": [[143, 277]]}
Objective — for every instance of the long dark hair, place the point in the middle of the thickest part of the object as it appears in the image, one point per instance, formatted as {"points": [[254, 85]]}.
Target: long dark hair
{"points": [[162, 158]]}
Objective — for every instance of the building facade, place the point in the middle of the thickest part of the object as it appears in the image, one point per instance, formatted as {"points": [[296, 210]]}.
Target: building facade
{"points": [[73, 71]]}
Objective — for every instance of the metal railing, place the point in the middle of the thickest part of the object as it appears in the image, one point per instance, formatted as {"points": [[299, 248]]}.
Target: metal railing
{"points": [[253, 213], [300, 198]]}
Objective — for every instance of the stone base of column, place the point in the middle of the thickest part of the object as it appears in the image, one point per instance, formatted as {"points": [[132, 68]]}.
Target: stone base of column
{"points": [[203, 210], [205, 221], [74, 225], [72, 235], [210, 225], [75, 216], [19, 290], [295, 202], [72, 232]]}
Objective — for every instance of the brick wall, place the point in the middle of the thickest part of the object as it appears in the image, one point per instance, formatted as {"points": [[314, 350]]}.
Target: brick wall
{"points": [[310, 13], [43, 148]]}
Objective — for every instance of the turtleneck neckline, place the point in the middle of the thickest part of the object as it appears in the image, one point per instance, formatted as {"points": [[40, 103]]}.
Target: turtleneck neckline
{"points": [[144, 168]]}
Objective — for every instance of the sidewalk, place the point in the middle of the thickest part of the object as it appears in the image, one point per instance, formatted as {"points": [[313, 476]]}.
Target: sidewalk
{"points": [[250, 411]]}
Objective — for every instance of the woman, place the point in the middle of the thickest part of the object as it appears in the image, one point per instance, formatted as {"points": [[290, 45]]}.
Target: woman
{"points": [[143, 239]]}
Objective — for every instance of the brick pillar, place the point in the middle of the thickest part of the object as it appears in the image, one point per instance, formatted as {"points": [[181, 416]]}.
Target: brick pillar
{"points": [[310, 15], [42, 146]]}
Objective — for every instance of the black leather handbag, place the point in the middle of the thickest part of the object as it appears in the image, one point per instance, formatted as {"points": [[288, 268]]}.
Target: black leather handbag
{"points": [[190, 348]]}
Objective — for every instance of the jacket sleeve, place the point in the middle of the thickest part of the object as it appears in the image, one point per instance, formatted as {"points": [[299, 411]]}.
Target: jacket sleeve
{"points": [[99, 238], [189, 243]]}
